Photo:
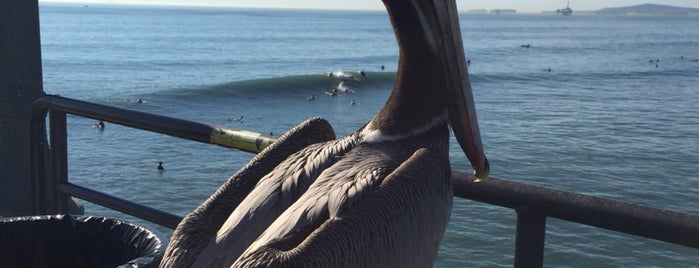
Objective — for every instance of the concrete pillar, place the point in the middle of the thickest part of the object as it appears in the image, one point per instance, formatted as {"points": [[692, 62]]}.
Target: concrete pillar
{"points": [[20, 85]]}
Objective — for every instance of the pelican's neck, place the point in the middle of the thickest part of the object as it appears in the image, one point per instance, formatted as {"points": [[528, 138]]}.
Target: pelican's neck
{"points": [[419, 93]]}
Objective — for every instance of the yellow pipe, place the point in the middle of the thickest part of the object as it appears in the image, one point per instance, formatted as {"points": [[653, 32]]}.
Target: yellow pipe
{"points": [[241, 139]]}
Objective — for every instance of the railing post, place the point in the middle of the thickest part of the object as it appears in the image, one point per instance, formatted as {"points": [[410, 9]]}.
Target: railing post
{"points": [[37, 162], [59, 161], [529, 241]]}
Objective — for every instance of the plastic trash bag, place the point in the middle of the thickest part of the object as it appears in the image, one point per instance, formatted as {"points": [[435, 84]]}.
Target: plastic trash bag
{"points": [[67, 241]]}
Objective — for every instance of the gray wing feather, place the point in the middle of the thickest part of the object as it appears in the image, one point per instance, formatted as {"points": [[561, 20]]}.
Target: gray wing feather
{"points": [[199, 226], [274, 193], [398, 224]]}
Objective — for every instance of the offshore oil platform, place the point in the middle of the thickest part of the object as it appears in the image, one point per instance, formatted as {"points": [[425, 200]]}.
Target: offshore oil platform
{"points": [[566, 11]]}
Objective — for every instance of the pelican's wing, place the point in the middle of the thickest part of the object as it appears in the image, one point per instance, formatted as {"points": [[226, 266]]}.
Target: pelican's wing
{"points": [[339, 186], [201, 225], [271, 197], [399, 223]]}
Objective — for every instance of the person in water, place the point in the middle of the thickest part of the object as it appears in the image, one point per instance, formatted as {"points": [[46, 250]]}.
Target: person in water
{"points": [[100, 125], [160, 166]]}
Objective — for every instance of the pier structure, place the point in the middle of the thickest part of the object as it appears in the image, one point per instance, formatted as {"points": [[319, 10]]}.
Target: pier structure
{"points": [[20, 85]]}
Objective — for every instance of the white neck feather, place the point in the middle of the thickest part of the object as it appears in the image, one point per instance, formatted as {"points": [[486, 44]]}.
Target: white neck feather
{"points": [[373, 134]]}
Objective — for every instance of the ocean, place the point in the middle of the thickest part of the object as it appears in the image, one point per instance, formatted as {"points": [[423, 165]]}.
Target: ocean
{"points": [[604, 106]]}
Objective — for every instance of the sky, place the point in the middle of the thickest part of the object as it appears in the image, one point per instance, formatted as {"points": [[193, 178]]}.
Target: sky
{"points": [[522, 6]]}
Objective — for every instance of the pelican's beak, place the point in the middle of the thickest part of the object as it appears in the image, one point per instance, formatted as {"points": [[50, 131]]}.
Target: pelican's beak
{"points": [[432, 27], [462, 110]]}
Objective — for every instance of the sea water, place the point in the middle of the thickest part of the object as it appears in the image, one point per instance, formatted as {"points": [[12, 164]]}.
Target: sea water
{"points": [[605, 106]]}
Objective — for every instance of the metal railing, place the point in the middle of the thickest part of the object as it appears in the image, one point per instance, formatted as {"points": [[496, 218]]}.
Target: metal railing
{"points": [[51, 196], [533, 204]]}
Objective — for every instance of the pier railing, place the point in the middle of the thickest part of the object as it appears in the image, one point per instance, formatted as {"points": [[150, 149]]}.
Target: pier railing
{"points": [[50, 196], [533, 204]]}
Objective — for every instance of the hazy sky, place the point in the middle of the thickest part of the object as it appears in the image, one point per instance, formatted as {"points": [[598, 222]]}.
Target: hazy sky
{"points": [[519, 5]]}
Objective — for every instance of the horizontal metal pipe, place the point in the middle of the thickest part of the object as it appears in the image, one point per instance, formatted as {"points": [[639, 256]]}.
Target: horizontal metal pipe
{"points": [[239, 139], [663, 225], [144, 212]]}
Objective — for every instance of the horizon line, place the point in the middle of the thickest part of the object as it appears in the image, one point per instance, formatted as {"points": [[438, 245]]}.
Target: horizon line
{"points": [[480, 11]]}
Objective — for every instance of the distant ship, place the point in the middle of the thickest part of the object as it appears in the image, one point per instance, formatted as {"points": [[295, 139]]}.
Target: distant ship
{"points": [[503, 11], [566, 11]]}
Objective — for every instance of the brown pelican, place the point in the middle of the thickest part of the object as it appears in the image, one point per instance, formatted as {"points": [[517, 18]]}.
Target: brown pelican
{"points": [[379, 197]]}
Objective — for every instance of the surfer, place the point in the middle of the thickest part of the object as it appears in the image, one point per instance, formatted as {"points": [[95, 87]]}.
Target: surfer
{"points": [[239, 119], [99, 125], [160, 167], [332, 93], [310, 98], [362, 73]]}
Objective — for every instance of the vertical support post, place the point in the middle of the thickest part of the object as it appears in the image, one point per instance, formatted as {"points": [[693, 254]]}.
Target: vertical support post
{"points": [[529, 241], [37, 159], [59, 160], [20, 86]]}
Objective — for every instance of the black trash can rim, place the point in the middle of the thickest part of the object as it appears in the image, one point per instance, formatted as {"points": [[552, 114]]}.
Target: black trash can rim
{"points": [[141, 246]]}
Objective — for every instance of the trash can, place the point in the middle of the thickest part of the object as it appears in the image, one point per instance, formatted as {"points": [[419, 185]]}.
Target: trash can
{"points": [[69, 241]]}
